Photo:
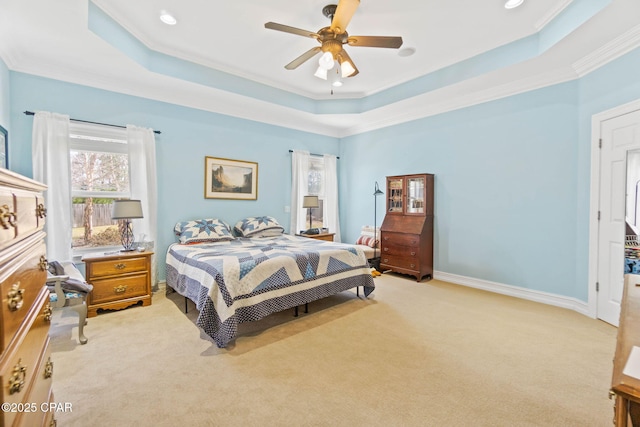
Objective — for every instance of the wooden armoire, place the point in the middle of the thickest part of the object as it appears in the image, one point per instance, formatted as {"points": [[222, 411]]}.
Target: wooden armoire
{"points": [[407, 229]]}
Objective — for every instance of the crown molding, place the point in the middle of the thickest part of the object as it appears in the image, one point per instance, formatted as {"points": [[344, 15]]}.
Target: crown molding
{"points": [[423, 106], [551, 15], [610, 51]]}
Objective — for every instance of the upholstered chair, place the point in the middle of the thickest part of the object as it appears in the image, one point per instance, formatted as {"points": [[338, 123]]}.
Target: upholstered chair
{"points": [[61, 295]]}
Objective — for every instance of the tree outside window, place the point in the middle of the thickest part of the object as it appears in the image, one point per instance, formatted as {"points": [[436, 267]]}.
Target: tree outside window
{"points": [[99, 175]]}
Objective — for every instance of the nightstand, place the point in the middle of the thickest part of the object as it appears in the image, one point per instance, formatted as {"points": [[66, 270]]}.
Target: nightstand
{"points": [[322, 236], [119, 280]]}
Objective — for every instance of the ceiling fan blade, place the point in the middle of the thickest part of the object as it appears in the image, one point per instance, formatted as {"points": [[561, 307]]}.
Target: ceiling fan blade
{"points": [[292, 30], [343, 15], [303, 58], [375, 41], [343, 57]]}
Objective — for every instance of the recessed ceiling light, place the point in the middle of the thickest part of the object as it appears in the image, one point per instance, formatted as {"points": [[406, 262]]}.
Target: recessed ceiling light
{"points": [[407, 51], [167, 18], [510, 4]]}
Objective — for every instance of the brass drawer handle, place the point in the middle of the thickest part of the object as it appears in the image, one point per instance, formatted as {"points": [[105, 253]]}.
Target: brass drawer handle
{"points": [[16, 381], [43, 264], [48, 312], [48, 369], [120, 289], [7, 217], [41, 211], [386, 249], [413, 253], [413, 265], [15, 297], [386, 260], [120, 266]]}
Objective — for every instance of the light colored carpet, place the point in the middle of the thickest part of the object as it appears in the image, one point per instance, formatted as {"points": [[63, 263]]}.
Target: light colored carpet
{"points": [[413, 354]]}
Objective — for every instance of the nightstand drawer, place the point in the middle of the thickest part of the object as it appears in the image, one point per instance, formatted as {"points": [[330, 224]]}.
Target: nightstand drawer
{"points": [[118, 266], [400, 239], [118, 288]]}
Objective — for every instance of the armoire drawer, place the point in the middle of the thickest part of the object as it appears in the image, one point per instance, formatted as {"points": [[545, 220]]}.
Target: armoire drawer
{"points": [[399, 262], [400, 239], [397, 250]]}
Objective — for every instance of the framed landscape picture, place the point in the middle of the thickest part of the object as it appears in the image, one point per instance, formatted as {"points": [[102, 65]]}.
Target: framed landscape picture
{"points": [[230, 179]]}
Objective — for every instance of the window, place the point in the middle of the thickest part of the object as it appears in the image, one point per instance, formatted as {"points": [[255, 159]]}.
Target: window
{"points": [[99, 162], [316, 188]]}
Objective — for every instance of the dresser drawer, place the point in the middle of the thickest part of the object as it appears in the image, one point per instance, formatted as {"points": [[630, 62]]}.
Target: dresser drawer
{"points": [[8, 220], [22, 281], [20, 364], [117, 266], [40, 395], [117, 288], [399, 262], [27, 213], [400, 239]]}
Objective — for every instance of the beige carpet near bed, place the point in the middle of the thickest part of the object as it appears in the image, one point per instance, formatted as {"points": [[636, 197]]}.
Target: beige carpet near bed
{"points": [[414, 354]]}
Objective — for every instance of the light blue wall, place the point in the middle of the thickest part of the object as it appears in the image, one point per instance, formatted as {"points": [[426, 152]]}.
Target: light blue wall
{"points": [[512, 175], [188, 135], [504, 185], [512, 180]]}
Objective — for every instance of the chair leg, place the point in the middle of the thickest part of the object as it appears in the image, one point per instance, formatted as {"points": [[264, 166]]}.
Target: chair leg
{"points": [[81, 309]]}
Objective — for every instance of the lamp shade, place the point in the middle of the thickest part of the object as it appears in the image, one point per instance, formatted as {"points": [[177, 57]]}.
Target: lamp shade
{"points": [[125, 209], [310, 202], [377, 191]]}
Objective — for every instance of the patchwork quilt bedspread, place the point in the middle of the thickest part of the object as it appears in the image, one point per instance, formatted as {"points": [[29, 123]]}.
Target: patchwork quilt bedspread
{"points": [[246, 279]]}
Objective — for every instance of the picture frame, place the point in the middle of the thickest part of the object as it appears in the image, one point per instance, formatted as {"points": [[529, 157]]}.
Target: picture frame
{"points": [[4, 148], [230, 179]]}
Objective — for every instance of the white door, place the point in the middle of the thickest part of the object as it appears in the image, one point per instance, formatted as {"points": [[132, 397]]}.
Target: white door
{"points": [[619, 135]]}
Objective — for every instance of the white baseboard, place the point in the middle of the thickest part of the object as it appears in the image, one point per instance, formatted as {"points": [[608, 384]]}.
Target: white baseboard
{"points": [[515, 291]]}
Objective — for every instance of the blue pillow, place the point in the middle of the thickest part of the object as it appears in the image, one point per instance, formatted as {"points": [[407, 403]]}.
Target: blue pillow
{"points": [[257, 226], [203, 230]]}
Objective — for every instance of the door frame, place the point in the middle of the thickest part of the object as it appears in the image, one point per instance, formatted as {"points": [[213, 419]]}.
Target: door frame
{"points": [[594, 194]]}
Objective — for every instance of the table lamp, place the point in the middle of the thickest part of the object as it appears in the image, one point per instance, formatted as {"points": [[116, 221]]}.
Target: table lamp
{"points": [[310, 202], [126, 210]]}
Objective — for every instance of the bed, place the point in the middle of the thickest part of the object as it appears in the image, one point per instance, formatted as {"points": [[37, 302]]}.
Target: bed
{"points": [[241, 279]]}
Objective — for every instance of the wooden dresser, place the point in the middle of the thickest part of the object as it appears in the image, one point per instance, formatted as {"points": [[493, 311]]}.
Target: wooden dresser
{"points": [[407, 230], [26, 368], [625, 381], [119, 280]]}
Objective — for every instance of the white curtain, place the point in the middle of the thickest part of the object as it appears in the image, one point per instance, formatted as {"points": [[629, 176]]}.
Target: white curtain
{"points": [[50, 150], [142, 177], [299, 188], [331, 211]]}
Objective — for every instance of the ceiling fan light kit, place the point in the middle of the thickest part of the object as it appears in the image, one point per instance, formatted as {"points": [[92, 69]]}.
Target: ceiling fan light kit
{"points": [[333, 38]]}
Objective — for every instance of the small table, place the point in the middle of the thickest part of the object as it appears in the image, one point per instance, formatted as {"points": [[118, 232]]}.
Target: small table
{"points": [[119, 280], [322, 236]]}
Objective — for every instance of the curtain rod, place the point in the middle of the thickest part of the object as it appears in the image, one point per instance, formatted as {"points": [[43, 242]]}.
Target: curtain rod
{"points": [[31, 113], [314, 154]]}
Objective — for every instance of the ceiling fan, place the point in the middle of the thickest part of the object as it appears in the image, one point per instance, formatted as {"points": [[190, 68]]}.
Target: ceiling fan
{"points": [[332, 38]]}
